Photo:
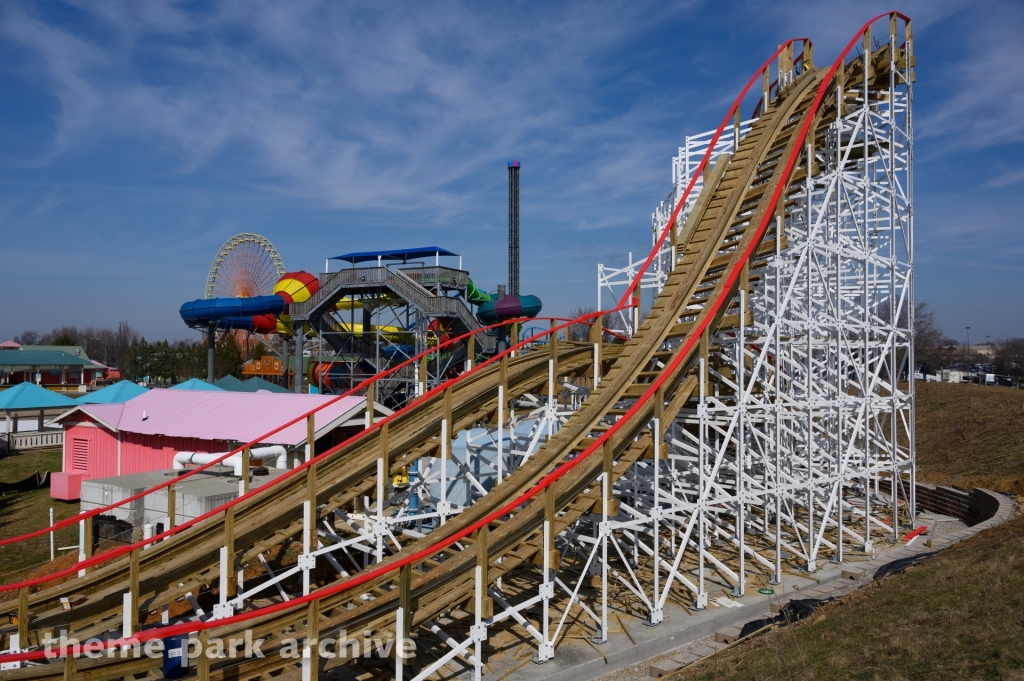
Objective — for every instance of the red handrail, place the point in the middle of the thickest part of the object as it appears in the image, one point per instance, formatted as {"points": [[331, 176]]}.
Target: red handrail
{"points": [[128, 548]]}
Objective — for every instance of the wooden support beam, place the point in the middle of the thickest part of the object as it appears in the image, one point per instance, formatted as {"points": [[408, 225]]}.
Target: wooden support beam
{"points": [[313, 637], [246, 462], [704, 343], [88, 539], [503, 375], [229, 542], [172, 510], [448, 415], [133, 586], [310, 437], [23, 618], [608, 454], [203, 661], [735, 132], [659, 413], [369, 404], [405, 597], [471, 351], [766, 86], [870, 67], [311, 477], [423, 374], [70, 666], [311, 491], [553, 346], [483, 559]]}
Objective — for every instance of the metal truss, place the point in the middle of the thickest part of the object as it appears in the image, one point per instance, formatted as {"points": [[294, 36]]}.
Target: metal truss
{"points": [[806, 407], [613, 281]]}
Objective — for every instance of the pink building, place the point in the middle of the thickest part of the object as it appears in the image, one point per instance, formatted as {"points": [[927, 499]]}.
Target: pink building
{"points": [[144, 433]]}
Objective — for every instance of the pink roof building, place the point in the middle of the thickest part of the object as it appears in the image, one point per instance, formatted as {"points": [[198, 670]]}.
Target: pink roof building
{"points": [[144, 433]]}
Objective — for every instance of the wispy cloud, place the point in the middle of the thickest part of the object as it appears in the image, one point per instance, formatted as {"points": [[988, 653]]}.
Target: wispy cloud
{"points": [[1006, 178], [358, 108]]}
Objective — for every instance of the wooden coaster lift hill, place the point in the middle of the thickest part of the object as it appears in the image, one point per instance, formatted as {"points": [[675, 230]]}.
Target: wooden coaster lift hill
{"points": [[739, 433]]}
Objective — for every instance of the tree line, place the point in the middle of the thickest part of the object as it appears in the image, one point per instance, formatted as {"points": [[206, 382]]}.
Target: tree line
{"points": [[127, 350], [107, 346]]}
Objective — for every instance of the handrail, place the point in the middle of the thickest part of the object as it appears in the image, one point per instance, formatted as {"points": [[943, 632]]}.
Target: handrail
{"points": [[128, 548], [372, 379], [700, 326]]}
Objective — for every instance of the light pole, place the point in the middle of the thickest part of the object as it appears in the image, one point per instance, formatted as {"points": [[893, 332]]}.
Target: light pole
{"points": [[968, 343]]}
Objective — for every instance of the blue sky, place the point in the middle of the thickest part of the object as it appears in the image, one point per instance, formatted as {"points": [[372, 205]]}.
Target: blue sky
{"points": [[136, 137]]}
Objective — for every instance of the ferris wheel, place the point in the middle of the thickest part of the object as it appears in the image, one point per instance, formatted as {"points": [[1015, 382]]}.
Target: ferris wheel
{"points": [[247, 265]]}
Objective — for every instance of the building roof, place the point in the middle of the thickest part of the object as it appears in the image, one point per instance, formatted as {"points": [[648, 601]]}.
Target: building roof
{"points": [[122, 391], [196, 384], [229, 382], [76, 350], [252, 385], [401, 254], [31, 396], [256, 383], [9, 345], [33, 357], [223, 415]]}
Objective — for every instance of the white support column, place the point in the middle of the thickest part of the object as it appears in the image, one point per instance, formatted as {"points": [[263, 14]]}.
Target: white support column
{"points": [[379, 525], [701, 601], [656, 615], [442, 506], [501, 434], [400, 644], [546, 650], [604, 530], [741, 449]]}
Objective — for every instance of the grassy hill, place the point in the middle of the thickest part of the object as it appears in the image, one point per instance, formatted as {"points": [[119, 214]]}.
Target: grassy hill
{"points": [[22, 512], [971, 436], [959, 615]]}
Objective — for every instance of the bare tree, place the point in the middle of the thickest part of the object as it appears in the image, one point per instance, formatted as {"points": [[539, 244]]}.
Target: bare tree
{"points": [[1009, 358], [931, 348], [580, 331], [27, 337]]}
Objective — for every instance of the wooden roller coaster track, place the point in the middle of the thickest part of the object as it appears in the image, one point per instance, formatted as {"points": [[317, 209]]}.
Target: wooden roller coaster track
{"points": [[508, 534]]}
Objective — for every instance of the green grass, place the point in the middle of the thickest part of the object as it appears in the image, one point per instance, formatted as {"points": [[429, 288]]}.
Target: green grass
{"points": [[958, 615], [22, 512], [971, 436]]}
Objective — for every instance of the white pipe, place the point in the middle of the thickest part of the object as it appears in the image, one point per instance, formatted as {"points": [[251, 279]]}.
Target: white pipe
{"points": [[181, 459]]}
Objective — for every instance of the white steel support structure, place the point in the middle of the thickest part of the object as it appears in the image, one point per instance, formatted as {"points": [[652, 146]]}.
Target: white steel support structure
{"points": [[800, 445]]}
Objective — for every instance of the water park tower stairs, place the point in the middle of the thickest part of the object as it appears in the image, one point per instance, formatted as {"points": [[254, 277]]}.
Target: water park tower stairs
{"points": [[403, 285]]}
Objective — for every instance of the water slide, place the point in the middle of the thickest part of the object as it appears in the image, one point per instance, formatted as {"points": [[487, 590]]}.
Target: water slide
{"points": [[258, 314]]}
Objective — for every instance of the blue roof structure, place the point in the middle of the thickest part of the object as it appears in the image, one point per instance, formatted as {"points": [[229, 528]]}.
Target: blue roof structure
{"points": [[231, 384], [40, 358], [31, 396], [256, 383], [122, 391], [195, 384], [401, 254]]}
